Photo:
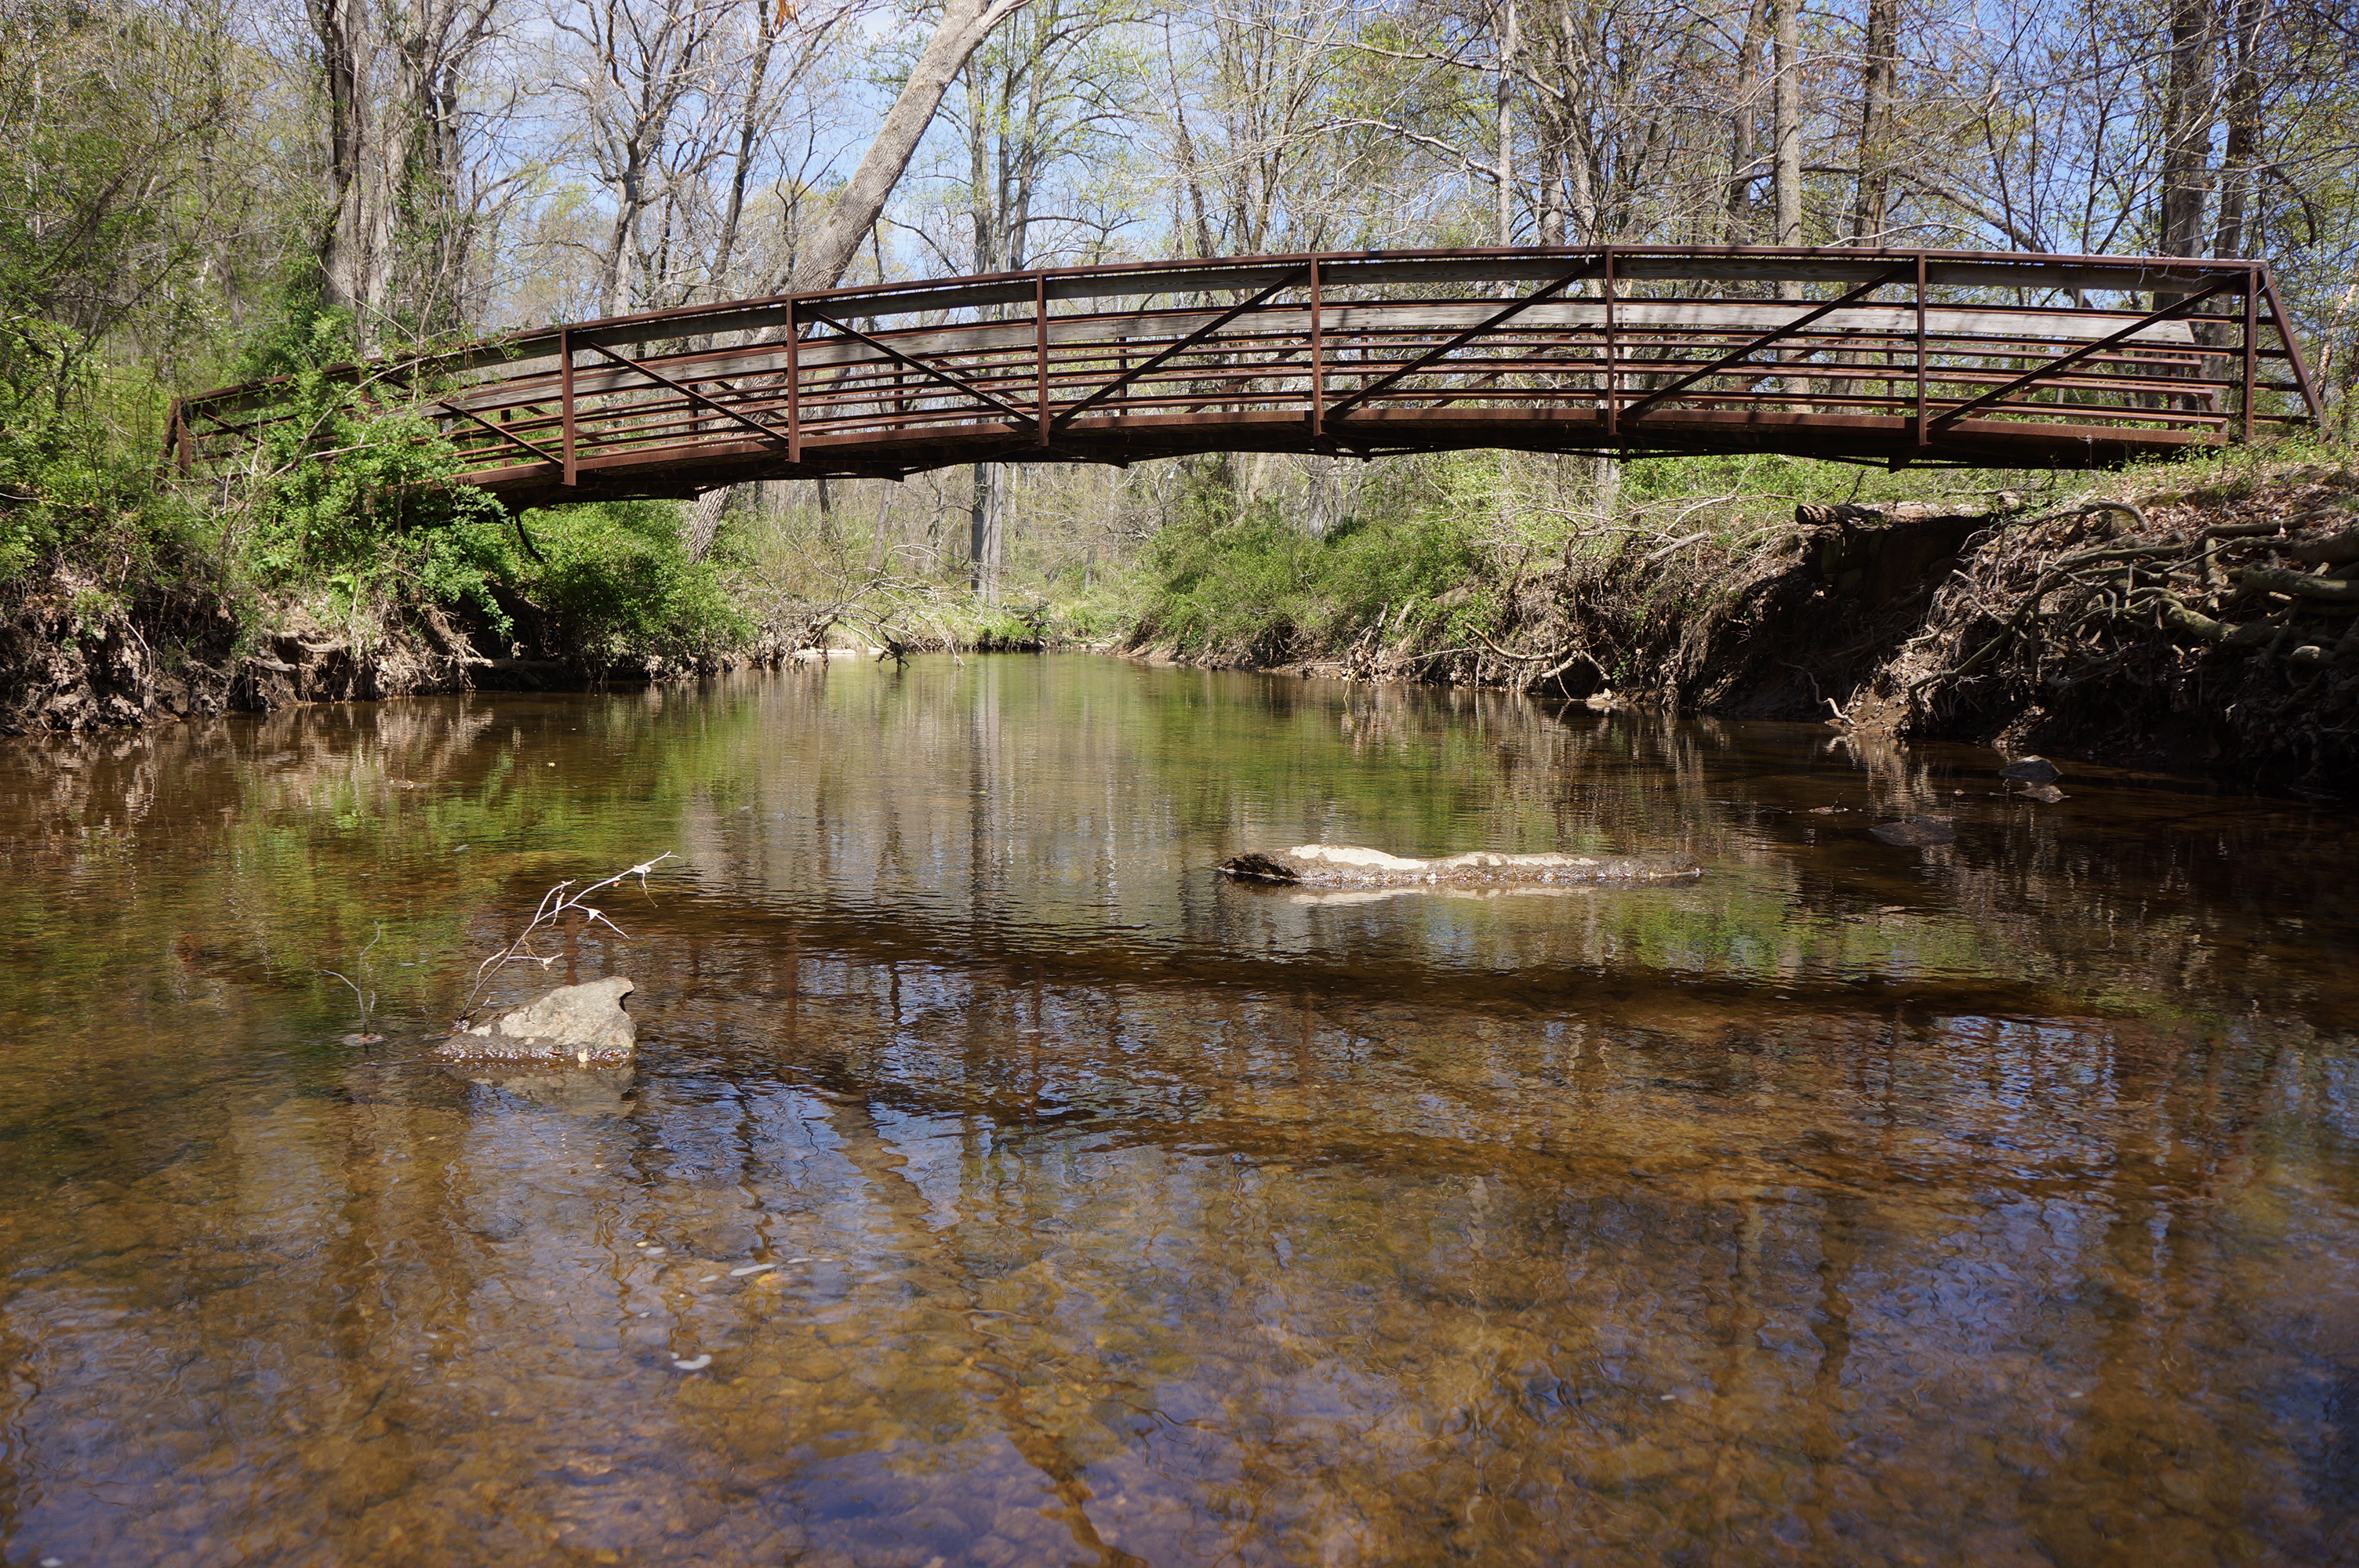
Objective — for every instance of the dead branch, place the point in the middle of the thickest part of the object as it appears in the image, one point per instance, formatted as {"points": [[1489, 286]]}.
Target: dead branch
{"points": [[555, 904]]}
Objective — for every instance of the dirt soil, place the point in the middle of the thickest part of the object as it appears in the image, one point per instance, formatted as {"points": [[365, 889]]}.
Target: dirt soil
{"points": [[2210, 630], [76, 657]]}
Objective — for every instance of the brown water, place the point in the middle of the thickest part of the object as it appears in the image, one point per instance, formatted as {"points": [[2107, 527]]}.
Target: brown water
{"points": [[1988, 1204]]}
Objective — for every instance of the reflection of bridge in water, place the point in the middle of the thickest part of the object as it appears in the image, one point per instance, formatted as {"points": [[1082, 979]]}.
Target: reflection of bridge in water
{"points": [[1893, 357]]}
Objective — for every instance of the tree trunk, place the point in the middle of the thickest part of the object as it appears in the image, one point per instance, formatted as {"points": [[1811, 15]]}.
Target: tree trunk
{"points": [[964, 24], [748, 128], [1508, 49], [1744, 127], [1879, 65], [702, 523], [344, 53], [984, 532], [1787, 17], [368, 154], [2241, 161], [2187, 112]]}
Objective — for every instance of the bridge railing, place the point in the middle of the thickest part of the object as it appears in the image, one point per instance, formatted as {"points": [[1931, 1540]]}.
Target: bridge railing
{"points": [[1886, 356]]}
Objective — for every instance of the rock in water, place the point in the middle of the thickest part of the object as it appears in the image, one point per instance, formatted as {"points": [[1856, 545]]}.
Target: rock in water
{"points": [[2046, 794], [1915, 831], [2030, 770], [1345, 865], [576, 1023]]}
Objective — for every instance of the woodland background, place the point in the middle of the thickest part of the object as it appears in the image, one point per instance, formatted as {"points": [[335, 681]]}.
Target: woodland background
{"points": [[201, 191]]}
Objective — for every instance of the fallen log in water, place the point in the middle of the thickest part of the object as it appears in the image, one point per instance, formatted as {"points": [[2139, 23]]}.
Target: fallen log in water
{"points": [[1347, 865]]}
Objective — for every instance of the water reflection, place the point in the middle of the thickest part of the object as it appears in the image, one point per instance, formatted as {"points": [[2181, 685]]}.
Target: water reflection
{"points": [[1036, 1196]]}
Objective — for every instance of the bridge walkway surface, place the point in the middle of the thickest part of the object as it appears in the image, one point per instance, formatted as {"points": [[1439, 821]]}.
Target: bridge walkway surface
{"points": [[1886, 357]]}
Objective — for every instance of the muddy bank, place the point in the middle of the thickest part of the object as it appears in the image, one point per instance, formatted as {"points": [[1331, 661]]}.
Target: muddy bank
{"points": [[76, 656], [2208, 629]]}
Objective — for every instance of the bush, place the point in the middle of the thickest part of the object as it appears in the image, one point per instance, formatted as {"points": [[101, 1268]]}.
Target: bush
{"points": [[617, 584], [1255, 587]]}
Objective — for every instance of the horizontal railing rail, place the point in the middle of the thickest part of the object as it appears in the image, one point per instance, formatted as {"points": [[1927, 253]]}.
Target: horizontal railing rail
{"points": [[1897, 357]]}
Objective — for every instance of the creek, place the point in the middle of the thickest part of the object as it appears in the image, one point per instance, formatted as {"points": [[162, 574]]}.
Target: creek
{"points": [[997, 1184]]}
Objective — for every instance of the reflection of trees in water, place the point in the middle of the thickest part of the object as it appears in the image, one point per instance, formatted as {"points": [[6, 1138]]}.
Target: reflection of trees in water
{"points": [[1633, 1236], [1327, 1235]]}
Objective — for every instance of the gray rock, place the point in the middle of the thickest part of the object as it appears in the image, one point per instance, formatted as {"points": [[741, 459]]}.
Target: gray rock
{"points": [[2046, 794], [583, 1023], [2030, 770], [1348, 865], [1912, 832]]}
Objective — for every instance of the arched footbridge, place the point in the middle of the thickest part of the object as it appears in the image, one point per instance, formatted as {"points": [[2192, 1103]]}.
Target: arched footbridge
{"points": [[1890, 357]]}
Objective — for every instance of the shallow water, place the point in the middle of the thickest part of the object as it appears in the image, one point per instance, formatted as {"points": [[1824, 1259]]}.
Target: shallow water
{"points": [[1994, 1202]]}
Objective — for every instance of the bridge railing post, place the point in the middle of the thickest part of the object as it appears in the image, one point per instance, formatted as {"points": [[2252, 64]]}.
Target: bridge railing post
{"points": [[1612, 381], [1318, 362], [794, 386], [1040, 352], [565, 394], [2252, 329], [1923, 429]]}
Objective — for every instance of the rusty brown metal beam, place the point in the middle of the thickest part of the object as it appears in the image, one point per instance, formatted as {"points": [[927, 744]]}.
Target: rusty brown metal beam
{"points": [[921, 367], [765, 431], [1184, 345], [502, 431], [1767, 340], [2030, 377], [1432, 356]]}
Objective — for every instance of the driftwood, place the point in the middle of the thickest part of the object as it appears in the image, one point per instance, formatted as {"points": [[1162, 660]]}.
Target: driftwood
{"points": [[1348, 865]]}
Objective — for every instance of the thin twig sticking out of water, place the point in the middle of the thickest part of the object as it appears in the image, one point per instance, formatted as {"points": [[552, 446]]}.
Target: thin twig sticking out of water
{"points": [[555, 904], [366, 998]]}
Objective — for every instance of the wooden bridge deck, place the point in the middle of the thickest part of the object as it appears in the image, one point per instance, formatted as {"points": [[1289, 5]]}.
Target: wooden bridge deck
{"points": [[1891, 357]]}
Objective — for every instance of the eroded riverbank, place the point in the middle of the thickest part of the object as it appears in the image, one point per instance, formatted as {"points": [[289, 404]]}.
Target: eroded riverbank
{"points": [[1035, 1195]]}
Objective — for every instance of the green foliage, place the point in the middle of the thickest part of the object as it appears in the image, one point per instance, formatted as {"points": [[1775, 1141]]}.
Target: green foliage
{"points": [[616, 583], [361, 505], [1255, 585], [77, 456]]}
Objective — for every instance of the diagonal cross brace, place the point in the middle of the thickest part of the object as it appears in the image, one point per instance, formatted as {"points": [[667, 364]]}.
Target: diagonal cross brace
{"points": [[2168, 313], [1587, 269], [691, 393], [1758, 344], [1183, 345], [506, 435], [922, 368]]}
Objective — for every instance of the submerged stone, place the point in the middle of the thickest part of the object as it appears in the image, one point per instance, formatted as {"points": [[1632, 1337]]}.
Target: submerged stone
{"points": [[1347, 865], [1916, 831], [580, 1023]]}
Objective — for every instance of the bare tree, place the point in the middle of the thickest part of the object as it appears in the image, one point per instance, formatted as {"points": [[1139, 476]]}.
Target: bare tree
{"points": [[958, 33], [393, 78]]}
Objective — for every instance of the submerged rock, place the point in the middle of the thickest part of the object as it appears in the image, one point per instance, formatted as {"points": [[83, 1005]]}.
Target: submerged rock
{"points": [[1912, 832], [581, 1023], [1347, 865], [554, 1085], [2046, 793]]}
